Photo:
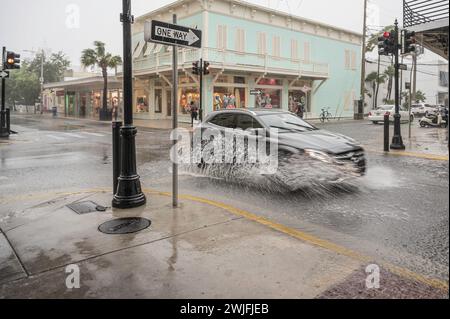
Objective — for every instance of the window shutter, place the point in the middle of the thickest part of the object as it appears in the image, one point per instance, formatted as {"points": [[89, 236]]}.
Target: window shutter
{"points": [[224, 37], [347, 59], [294, 49], [307, 52], [353, 64], [276, 46]]}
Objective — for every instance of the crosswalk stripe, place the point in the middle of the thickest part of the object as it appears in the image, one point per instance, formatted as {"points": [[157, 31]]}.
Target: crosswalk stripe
{"points": [[74, 135]]}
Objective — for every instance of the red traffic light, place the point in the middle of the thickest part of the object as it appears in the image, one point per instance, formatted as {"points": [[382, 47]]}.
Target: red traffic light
{"points": [[386, 35]]}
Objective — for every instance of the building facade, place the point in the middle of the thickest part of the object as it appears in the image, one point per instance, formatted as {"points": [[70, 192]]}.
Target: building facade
{"points": [[289, 59], [83, 97]]}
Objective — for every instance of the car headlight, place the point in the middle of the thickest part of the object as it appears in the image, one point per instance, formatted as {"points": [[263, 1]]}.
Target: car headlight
{"points": [[319, 155]]}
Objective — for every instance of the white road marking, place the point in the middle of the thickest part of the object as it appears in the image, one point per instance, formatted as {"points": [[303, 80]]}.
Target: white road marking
{"points": [[94, 134], [74, 135], [59, 138]]}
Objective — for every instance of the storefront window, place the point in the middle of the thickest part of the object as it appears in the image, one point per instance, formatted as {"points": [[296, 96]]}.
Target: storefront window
{"points": [[297, 98], [188, 96], [267, 81], [141, 104], [268, 99], [228, 97], [158, 101]]}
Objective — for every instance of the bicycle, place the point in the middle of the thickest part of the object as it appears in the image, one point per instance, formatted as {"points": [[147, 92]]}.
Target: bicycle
{"points": [[325, 115]]}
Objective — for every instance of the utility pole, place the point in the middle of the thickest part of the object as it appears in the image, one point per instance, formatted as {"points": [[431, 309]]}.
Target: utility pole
{"points": [[129, 193], [397, 141], [42, 80], [363, 66]]}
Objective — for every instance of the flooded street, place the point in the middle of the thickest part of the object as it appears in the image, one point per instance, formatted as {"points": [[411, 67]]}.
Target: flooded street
{"points": [[397, 213]]}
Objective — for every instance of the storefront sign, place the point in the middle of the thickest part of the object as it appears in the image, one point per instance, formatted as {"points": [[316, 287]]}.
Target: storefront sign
{"points": [[172, 34]]}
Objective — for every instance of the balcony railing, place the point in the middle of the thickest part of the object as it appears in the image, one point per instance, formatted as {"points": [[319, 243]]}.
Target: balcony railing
{"points": [[233, 60], [417, 12]]}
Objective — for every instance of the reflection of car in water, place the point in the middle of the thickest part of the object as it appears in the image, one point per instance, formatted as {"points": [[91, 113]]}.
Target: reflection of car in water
{"points": [[377, 115], [302, 148]]}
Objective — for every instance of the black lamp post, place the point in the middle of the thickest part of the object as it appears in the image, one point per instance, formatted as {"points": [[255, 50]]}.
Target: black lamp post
{"points": [[129, 193], [397, 140]]}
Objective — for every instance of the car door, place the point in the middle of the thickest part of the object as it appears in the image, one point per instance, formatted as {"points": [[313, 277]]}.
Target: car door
{"points": [[246, 126]]}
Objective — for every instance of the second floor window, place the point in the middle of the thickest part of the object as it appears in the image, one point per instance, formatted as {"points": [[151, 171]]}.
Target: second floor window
{"points": [[276, 46], [222, 37], [240, 40]]}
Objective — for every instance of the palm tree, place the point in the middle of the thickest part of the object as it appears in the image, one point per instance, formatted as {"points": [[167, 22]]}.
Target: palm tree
{"points": [[371, 78], [389, 73], [99, 57]]}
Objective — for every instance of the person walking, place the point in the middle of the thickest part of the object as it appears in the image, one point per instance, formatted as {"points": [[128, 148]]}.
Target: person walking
{"points": [[300, 110], [194, 112]]}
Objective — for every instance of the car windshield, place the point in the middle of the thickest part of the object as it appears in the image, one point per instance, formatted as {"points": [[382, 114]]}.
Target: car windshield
{"points": [[385, 107], [287, 122]]}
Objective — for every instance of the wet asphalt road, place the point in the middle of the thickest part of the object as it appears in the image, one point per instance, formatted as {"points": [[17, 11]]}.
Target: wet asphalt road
{"points": [[398, 213]]}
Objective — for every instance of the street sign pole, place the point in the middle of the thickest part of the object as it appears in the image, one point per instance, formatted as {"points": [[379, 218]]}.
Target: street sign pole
{"points": [[175, 121], [129, 193], [397, 141], [174, 35]]}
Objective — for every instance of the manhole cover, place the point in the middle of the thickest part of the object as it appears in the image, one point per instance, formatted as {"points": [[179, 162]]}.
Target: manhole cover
{"points": [[86, 207], [124, 225]]}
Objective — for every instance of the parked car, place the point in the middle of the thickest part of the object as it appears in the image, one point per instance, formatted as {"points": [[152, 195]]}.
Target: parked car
{"points": [[377, 115], [419, 109], [309, 148]]}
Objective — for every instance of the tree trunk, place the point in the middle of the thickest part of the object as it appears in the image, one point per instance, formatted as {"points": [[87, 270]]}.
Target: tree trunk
{"points": [[378, 84], [105, 89]]}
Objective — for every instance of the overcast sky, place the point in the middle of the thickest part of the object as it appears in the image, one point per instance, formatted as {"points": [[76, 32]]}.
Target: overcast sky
{"points": [[33, 24]]}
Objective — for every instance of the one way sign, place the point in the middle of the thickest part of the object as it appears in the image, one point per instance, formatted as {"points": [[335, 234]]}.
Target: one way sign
{"points": [[4, 74], [172, 34]]}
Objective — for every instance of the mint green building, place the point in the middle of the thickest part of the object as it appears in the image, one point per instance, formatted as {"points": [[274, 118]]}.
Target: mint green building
{"points": [[288, 59]]}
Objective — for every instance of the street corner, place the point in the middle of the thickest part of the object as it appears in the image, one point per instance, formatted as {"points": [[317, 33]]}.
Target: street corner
{"points": [[379, 282], [202, 240]]}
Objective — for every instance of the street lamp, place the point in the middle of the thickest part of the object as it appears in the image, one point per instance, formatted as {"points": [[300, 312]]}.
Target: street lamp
{"points": [[397, 140], [128, 193]]}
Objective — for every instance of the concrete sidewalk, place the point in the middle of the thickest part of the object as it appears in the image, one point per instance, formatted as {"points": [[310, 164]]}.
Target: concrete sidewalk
{"points": [[195, 251], [203, 249]]}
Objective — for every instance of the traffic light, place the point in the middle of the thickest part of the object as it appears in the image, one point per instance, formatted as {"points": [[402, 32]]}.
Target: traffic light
{"points": [[206, 68], [195, 68], [12, 60], [386, 43], [409, 42]]}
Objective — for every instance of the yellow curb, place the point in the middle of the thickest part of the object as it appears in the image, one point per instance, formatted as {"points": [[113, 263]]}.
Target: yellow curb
{"points": [[313, 240], [411, 154], [316, 241]]}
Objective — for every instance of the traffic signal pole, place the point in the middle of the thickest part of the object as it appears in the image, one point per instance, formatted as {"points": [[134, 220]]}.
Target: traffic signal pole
{"points": [[3, 130], [129, 193], [397, 141]]}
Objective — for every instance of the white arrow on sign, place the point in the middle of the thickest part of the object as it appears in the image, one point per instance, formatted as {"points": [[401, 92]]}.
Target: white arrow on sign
{"points": [[4, 74], [192, 38]]}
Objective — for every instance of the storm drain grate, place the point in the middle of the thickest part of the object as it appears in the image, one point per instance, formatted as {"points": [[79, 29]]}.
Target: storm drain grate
{"points": [[86, 207], [124, 225]]}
